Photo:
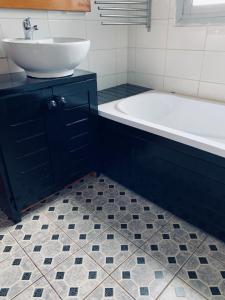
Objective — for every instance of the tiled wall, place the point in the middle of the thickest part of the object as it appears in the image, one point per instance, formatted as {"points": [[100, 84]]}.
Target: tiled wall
{"points": [[188, 60], [108, 55]]}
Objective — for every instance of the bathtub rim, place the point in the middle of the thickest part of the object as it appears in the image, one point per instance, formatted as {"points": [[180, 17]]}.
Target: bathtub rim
{"points": [[110, 111]]}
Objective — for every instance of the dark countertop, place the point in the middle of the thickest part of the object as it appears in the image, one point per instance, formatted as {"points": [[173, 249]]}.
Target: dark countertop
{"points": [[19, 82], [119, 92]]}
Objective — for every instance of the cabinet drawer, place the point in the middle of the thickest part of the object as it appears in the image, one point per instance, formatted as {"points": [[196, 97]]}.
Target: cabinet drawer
{"points": [[26, 191], [77, 128], [72, 115], [78, 141], [26, 130], [24, 107], [75, 94], [32, 160], [30, 144]]}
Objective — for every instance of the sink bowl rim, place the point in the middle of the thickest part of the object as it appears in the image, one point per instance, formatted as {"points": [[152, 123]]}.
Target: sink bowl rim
{"points": [[56, 41]]}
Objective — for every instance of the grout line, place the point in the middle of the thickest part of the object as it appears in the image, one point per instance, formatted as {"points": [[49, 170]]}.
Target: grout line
{"points": [[203, 60], [177, 272], [27, 287], [166, 50]]}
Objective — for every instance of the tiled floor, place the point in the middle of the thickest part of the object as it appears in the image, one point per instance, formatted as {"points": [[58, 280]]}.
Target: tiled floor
{"points": [[98, 240]]}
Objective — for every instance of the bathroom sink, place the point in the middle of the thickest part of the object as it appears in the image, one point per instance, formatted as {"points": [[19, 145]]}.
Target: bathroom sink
{"points": [[47, 58]]}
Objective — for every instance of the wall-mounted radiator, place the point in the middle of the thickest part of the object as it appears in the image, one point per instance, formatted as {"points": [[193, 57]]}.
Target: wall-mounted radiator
{"points": [[125, 12]]}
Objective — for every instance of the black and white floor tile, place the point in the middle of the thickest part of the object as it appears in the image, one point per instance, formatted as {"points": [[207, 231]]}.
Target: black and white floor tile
{"points": [[108, 290], [179, 290], [174, 243], [8, 245], [16, 274], [110, 249], [76, 277], [41, 289], [205, 274], [141, 275], [53, 250], [98, 240]]}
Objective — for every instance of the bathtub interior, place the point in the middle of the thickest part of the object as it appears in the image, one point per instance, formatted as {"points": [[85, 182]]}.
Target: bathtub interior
{"points": [[194, 116]]}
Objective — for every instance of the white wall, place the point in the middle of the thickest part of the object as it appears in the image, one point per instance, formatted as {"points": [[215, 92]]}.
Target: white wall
{"points": [[188, 60], [108, 55]]}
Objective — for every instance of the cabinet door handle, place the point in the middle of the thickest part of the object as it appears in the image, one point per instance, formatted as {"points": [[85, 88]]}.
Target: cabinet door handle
{"points": [[60, 100], [52, 105]]}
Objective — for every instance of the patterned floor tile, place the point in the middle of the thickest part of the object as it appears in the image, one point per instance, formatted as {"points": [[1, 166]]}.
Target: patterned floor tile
{"points": [[91, 186], [109, 289], [51, 251], [214, 248], [141, 275], [63, 206], [76, 277], [83, 228], [205, 274], [109, 209], [33, 228], [16, 274], [174, 243], [110, 249], [8, 245], [178, 290], [41, 289], [138, 228]]}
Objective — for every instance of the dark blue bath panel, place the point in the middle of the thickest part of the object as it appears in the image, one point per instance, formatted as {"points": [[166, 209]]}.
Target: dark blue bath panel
{"points": [[187, 181]]}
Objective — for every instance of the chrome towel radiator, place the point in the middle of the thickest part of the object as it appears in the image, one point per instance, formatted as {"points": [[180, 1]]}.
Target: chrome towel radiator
{"points": [[125, 12]]}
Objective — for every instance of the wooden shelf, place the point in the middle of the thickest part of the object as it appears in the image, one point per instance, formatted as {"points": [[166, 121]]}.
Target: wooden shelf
{"points": [[66, 5]]}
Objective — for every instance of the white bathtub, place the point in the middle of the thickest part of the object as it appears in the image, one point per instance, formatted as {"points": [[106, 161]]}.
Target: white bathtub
{"points": [[194, 122]]}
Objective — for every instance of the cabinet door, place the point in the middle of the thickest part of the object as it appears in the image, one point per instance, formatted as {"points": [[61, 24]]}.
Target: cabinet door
{"points": [[25, 146], [72, 124]]}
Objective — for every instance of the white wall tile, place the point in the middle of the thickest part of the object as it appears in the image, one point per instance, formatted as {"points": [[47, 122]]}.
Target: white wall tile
{"points": [[172, 10], [67, 28], [185, 37], [150, 61], [121, 36], [121, 60], [121, 78], [132, 30], [160, 9], [106, 81], [103, 62], [194, 54], [156, 38], [184, 64], [131, 78], [150, 81], [214, 67], [102, 37], [181, 86], [131, 60], [212, 91], [215, 38]]}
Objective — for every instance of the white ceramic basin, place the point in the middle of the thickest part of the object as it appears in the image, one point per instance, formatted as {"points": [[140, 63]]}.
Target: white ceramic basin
{"points": [[47, 58]]}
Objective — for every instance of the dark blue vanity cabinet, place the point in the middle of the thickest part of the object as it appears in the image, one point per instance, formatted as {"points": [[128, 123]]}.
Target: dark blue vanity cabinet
{"points": [[48, 136]]}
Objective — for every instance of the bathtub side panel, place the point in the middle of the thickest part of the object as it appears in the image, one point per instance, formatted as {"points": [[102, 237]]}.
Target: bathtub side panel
{"points": [[187, 181]]}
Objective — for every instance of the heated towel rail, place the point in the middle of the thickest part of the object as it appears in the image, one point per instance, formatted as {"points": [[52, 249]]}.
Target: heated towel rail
{"points": [[120, 12]]}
